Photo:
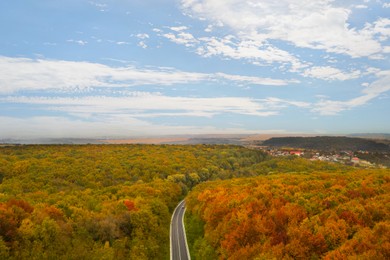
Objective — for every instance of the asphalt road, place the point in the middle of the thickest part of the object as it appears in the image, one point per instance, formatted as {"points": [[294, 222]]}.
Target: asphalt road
{"points": [[179, 248]]}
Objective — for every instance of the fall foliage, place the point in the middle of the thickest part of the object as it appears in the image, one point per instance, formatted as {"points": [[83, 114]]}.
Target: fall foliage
{"points": [[296, 216], [102, 201], [115, 202]]}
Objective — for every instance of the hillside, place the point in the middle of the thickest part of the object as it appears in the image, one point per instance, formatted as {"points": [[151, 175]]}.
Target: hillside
{"points": [[381, 136], [328, 143]]}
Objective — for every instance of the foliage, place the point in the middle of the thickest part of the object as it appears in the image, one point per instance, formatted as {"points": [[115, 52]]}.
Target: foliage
{"points": [[327, 215], [102, 201], [198, 246]]}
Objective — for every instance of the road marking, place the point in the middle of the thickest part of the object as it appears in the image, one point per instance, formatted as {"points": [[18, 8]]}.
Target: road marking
{"points": [[185, 234], [175, 220]]}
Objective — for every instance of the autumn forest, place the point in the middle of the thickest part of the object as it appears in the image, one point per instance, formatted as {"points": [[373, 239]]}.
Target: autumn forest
{"points": [[116, 201]]}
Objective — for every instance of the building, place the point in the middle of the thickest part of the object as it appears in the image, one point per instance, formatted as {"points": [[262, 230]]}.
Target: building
{"points": [[355, 160], [298, 153]]}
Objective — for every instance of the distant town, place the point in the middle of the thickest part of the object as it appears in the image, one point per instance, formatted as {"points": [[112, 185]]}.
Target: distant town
{"points": [[365, 159]]}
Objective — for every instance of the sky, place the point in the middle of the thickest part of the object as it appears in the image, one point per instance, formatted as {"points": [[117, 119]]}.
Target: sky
{"points": [[126, 68]]}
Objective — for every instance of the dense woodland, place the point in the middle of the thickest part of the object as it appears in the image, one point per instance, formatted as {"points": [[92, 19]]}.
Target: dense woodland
{"points": [[115, 202], [322, 215], [103, 201], [328, 143]]}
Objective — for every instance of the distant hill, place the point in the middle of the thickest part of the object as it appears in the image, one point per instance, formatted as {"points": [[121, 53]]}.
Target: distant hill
{"points": [[328, 143], [372, 136]]}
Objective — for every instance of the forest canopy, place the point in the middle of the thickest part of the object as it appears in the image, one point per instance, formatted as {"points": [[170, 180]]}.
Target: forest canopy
{"points": [[293, 216], [102, 201], [115, 202]]}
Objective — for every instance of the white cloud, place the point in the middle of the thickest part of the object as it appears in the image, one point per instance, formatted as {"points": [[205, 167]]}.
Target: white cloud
{"points": [[142, 44], [183, 38], [253, 50], [330, 73], [102, 116], [371, 91], [29, 74], [386, 5], [102, 7], [331, 107], [255, 25], [143, 36], [281, 103], [145, 104], [209, 28], [255, 80], [382, 28], [373, 71], [379, 86], [361, 6], [178, 28], [315, 24], [79, 42]]}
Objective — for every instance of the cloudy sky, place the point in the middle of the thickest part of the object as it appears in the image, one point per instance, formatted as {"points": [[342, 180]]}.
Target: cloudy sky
{"points": [[122, 68]]}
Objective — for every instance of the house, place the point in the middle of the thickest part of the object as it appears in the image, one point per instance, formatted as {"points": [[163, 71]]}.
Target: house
{"points": [[355, 160], [298, 153]]}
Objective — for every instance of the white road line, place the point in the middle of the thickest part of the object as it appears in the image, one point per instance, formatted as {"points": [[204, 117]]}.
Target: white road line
{"points": [[175, 220], [185, 235], [178, 240]]}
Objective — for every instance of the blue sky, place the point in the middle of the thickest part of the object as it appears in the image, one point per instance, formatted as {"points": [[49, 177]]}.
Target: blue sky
{"points": [[106, 68]]}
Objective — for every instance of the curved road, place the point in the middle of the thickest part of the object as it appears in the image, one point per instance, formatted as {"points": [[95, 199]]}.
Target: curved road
{"points": [[179, 249]]}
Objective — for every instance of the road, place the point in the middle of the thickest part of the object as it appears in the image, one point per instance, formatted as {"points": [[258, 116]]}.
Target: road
{"points": [[179, 248]]}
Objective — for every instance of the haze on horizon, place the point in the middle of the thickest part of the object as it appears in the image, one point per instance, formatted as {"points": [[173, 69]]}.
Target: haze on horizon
{"points": [[104, 68]]}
